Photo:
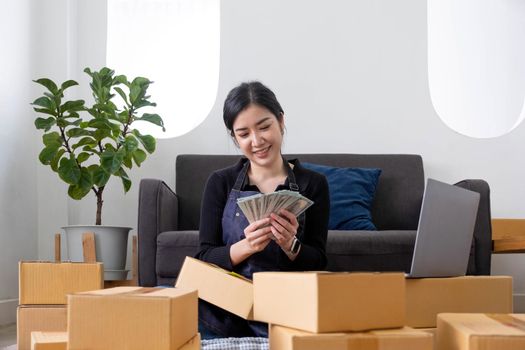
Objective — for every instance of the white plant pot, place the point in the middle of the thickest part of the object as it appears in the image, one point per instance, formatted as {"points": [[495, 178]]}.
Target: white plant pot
{"points": [[111, 245]]}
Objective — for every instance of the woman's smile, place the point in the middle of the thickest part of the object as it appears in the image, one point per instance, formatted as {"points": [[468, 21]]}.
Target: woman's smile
{"points": [[262, 153]]}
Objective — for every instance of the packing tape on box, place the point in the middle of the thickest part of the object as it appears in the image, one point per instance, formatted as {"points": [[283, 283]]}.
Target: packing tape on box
{"points": [[508, 320]]}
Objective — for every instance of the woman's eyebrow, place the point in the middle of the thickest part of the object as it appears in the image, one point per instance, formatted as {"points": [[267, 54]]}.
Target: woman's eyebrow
{"points": [[258, 123]]}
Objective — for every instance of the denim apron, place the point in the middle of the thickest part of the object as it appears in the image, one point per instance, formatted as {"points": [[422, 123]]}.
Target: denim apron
{"points": [[234, 222], [218, 321]]}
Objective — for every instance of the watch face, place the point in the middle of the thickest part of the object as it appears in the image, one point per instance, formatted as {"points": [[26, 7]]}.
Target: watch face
{"points": [[295, 246]]}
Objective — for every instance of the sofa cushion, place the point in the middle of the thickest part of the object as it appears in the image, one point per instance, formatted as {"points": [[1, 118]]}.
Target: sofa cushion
{"points": [[172, 249], [376, 251], [352, 192]]}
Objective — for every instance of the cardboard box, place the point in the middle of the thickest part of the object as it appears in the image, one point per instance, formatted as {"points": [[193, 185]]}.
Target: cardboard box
{"points": [[193, 344], [50, 318], [219, 287], [432, 331], [481, 331], [48, 340], [427, 297], [330, 302], [282, 338], [48, 283], [132, 318]]}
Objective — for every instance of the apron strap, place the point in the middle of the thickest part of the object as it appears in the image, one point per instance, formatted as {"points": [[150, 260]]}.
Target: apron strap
{"points": [[242, 175]]}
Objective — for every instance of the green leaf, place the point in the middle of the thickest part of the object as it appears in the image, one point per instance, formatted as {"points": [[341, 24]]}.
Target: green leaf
{"points": [[48, 153], [134, 93], [127, 161], [90, 149], [144, 103], [131, 144], [52, 138], [139, 156], [76, 132], [45, 102], [45, 124], [83, 187], [76, 122], [49, 84], [107, 107], [110, 147], [67, 84], [140, 81], [62, 122], [56, 159], [147, 141], [120, 79], [72, 115], [69, 171], [45, 110], [101, 123], [153, 118], [82, 157], [85, 141], [122, 94], [126, 182], [100, 176], [123, 116], [72, 106], [111, 161]]}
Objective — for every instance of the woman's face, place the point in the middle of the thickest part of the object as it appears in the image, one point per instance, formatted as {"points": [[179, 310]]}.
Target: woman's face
{"points": [[259, 135]]}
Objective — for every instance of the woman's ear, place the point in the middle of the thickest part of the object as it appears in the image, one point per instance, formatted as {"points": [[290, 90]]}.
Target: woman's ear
{"points": [[281, 122]]}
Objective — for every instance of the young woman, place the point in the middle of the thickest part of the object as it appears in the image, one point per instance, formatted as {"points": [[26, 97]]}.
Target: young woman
{"points": [[281, 242]]}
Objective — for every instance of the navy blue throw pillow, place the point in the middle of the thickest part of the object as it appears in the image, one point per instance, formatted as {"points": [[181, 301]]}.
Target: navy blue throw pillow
{"points": [[352, 191]]}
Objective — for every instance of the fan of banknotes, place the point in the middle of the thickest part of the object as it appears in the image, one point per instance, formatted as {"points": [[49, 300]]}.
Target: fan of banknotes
{"points": [[260, 206]]}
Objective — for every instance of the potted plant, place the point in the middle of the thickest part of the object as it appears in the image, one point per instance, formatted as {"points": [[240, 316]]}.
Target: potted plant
{"points": [[86, 145]]}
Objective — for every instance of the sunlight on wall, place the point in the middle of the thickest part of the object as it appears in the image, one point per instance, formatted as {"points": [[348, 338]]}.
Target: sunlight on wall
{"points": [[176, 44], [476, 64]]}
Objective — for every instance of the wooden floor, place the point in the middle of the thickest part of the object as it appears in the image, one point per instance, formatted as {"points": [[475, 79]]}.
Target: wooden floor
{"points": [[7, 335]]}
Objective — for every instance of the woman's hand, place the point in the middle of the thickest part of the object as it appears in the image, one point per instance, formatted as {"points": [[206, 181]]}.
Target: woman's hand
{"points": [[284, 228], [258, 235]]}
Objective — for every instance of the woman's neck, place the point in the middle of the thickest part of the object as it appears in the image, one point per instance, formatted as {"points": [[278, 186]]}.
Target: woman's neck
{"points": [[258, 173]]}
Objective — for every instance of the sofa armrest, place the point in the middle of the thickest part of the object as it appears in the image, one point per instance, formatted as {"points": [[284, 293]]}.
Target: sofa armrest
{"points": [[483, 228], [158, 211]]}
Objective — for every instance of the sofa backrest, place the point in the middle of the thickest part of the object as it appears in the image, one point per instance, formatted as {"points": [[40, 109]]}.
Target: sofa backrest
{"points": [[396, 205]]}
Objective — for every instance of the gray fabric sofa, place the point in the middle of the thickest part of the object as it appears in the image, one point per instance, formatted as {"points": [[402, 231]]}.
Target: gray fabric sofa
{"points": [[168, 221]]}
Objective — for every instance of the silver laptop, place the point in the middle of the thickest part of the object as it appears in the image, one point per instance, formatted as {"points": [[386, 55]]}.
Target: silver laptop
{"points": [[445, 230]]}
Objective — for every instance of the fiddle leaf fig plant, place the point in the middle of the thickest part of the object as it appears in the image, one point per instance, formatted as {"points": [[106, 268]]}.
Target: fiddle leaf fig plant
{"points": [[86, 145]]}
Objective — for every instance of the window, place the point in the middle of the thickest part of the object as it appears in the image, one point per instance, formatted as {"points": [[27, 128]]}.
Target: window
{"points": [[476, 64], [174, 43]]}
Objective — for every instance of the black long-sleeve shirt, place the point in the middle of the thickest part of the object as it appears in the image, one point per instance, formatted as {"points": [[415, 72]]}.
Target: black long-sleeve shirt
{"points": [[312, 185]]}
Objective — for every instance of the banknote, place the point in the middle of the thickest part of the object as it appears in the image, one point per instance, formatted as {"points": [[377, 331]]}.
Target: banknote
{"points": [[260, 206]]}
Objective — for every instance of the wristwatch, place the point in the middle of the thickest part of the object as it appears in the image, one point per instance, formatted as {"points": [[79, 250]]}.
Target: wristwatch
{"points": [[296, 244]]}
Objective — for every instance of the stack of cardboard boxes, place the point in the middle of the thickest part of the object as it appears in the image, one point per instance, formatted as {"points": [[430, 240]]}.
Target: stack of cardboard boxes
{"points": [[314, 310], [43, 287], [335, 311], [63, 305]]}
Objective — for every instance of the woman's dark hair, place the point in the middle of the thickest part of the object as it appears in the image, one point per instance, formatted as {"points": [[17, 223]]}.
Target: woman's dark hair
{"points": [[242, 96]]}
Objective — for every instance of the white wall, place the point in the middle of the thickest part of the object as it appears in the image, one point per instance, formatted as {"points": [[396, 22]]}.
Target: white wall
{"points": [[18, 235], [352, 77]]}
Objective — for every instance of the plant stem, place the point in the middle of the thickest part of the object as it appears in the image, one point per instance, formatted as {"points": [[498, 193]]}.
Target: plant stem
{"points": [[98, 220]]}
